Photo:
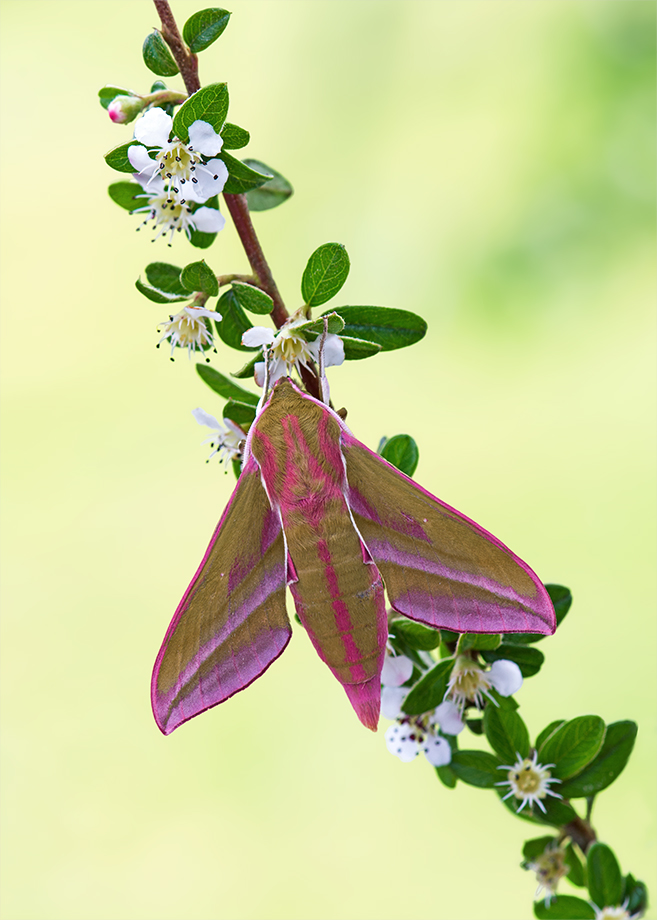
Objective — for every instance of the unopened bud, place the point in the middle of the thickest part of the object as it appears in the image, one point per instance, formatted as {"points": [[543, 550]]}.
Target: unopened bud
{"points": [[123, 109]]}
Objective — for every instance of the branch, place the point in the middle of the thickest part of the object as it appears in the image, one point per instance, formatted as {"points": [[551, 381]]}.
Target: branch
{"points": [[186, 61]]}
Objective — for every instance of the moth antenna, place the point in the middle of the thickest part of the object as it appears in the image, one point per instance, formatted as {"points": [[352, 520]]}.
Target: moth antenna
{"points": [[342, 413], [265, 386], [323, 381]]}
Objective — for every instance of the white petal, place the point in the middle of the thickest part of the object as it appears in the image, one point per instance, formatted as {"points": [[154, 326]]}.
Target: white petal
{"points": [[236, 430], [259, 373], [448, 717], [208, 220], [396, 670], [204, 139], [505, 676], [333, 349], [200, 313], [204, 418], [257, 336], [277, 369], [391, 701], [437, 751], [206, 185], [399, 743], [153, 128], [140, 159]]}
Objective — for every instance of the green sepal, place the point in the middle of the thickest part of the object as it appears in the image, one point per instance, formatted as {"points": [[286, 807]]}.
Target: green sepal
{"points": [[547, 731], [107, 93], [529, 660], [477, 768], [572, 746], [385, 326], [476, 726], [576, 872], [478, 641], [564, 907], [128, 195], [561, 600], [430, 690], [418, 636], [506, 733], [325, 273], [447, 776], [234, 322], [402, 451], [204, 27], [357, 349], [198, 238], [225, 387], [158, 296], [636, 895], [240, 413], [234, 137], [117, 158], [241, 178], [607, 765], [252, 298], [209, 104], [272, 192], [315, 328], [604, 878], [157, 56], [247, 370], [532, 849], [198, 276], [166, 277]]}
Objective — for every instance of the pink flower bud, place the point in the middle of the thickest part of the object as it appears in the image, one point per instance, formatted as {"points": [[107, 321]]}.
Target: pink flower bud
{"points": [[123, 109]]}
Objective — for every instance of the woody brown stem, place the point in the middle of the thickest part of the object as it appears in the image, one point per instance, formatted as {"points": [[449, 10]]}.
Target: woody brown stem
{"points": [[186, 61], [581, 833]]}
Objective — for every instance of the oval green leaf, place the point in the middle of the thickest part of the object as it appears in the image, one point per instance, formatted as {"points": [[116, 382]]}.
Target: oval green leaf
{"points": [[128, 195], [156, 295], [234, 137], [415, 634], [480, 641], [198, 276], [572, 746], [252, 298], [241, 178], [204, 27], [166, 277], [603, 876], [564, 907], [547, 731], [446, 776], [272, 192], [107, 93], [324, 274], [225, 387], [506, 732], [430, 691], [386, 326], [529, 660], [477, 768], [117, 158], [157, 56], [607, 765], [246, 372], [357, 349], [240, 413], [209, 104], [234, 322], [402, 451]]}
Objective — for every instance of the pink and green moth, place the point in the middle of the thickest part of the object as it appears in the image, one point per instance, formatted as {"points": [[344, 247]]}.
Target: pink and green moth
{"points": [[318, 512]]}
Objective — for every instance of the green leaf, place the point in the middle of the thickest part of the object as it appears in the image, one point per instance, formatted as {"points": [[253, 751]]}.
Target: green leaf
{"points": [[234, 322], [547, 731], [506, 732], [535, 847], [402, 451], [237, 467], [603, 875], [271, 193], [117, 158], [324, 274], [480, 641], [252, 298], [314, 328], [234, 137], [430, 691], [357, 349], [564, 907], [209, 104], [636, 895], [572, 746], [156, 295], [415, 634], [198, 276], [128, 195], [157, 56], [204, 27], [166, 277], [561, 599], [607, 765], [240, 413], [529, 660], [446, 776], [476, 726], [225, 387], [557, 813], [576, 874], [247, 371], [385, 326], [107, 93], [241, 178], [477, 768]]}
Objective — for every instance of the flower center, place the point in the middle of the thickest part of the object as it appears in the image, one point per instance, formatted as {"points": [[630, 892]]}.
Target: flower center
{"points": [[527, 780], [177, 163]]}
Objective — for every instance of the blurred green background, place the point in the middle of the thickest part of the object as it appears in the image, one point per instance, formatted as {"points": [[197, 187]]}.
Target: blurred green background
{"points": [[488, 165]]}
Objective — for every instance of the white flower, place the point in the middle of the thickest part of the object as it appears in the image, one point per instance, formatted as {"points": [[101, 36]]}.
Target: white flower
{"points": [[171, 212], [181, 166], [619, 912], [550, 867], [469, 683], [529, 781], [228, 441], [189, 330], [288, 349], [405, 739], [396, 670]]}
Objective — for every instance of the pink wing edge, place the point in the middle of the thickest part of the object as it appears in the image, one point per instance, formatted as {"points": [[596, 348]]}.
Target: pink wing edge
{"points": [[249, 468]]}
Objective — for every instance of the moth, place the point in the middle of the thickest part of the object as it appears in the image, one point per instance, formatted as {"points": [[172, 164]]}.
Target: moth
{"points": [[317, 512]]}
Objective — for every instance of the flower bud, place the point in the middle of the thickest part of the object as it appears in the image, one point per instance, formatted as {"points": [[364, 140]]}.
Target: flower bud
{"points": [[123, 109]]}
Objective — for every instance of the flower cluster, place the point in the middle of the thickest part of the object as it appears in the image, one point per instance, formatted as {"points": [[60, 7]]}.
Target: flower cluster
{"points": [[177, 177], [227, 442]]}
